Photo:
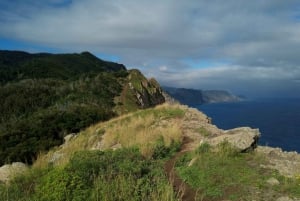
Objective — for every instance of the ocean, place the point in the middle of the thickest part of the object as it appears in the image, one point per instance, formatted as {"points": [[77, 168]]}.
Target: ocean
{"points": [[277, 119]]}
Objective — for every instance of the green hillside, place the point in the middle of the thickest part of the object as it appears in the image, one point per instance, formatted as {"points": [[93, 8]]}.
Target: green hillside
{"points": [[47, 96], [16, 65]]}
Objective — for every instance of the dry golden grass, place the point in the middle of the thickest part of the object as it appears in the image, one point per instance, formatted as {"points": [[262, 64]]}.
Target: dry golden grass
{"points": [[142, 129], [64, 152], [142, 132]]}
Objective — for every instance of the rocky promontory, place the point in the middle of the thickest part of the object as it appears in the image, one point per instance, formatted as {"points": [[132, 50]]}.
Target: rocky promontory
{"points": [[193, 129], [198, 97]]}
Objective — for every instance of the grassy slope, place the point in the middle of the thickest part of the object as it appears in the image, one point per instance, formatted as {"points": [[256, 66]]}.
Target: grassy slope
{"points": [[133, 172], [223, 173], [145, 140]]}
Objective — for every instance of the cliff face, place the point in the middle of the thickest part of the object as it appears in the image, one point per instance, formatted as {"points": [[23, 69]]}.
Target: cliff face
{"points": [[147, 92], [215, 96], [197, 97], [186, 96], [139, 93]]}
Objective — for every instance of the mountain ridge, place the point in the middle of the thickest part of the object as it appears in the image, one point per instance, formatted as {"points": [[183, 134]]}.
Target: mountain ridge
{"points": [[197, 97], [47, 96], [18, 65]]}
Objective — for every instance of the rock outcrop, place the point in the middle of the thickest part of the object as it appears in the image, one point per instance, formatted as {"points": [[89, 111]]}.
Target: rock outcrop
{"points": [[169, 99], [244, 138], [147, 92], [139, 93], [286, 163], [8, 171], [197, 127], [286, 198]]}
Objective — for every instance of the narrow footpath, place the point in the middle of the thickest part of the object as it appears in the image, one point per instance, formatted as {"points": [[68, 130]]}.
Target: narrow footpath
{"points": [[183, 190]]}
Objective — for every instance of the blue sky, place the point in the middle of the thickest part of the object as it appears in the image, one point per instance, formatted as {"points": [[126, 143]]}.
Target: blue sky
{"points": [[246, 47]]}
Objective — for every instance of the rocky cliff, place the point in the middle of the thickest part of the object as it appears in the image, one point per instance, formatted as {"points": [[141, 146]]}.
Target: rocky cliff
{"points": [[197, 97], [215, 96], [138, 93]]}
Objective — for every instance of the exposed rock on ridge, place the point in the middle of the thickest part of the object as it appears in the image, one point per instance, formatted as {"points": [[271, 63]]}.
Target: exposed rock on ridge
{"points": [[139, 91], [286, 163], [197, 126], [243, 138], [9, 171]]}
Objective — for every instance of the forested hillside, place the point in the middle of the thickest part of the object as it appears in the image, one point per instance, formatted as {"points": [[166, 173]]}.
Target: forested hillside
{"points": [[46, 96]]}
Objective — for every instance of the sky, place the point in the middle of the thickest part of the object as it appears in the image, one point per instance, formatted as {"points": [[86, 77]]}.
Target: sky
{"points": [[249, 48]]}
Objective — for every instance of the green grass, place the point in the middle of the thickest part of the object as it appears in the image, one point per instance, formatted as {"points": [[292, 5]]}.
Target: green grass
{"points": [[163, 112], [203, 131], [227, 174], [123, 174]]}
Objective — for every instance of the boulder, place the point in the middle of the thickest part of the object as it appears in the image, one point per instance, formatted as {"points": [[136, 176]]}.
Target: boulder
{"points": [[8, 171], [273, 181], [244, 138], [285, 198]]}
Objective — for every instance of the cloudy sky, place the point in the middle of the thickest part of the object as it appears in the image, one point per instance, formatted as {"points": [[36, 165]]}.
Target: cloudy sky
{"points": [[246, 47]]}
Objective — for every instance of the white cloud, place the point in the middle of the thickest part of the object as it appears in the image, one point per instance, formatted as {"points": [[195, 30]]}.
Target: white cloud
{"points": [[259, 38], [255, 81], [163, 68]]}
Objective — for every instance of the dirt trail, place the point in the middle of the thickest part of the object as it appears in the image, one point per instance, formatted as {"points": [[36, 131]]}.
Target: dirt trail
{"points": [[192, 121], [184, 191]]}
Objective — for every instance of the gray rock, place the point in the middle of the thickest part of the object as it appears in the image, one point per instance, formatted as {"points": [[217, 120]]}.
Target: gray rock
{"points": [[116, 146], [273, 182], [69, 137], [169, 99], [56, 156], [243, 138], [7, 172], [285, 198], [287, 163]]}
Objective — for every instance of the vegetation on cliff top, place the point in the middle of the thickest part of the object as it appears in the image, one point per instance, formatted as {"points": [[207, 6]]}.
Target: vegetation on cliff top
{"points": [[134, 171], [223, 173], [124, 159]]}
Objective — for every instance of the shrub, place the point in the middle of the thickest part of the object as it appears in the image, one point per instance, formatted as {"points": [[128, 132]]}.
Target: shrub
{"points": [[123, 174]]}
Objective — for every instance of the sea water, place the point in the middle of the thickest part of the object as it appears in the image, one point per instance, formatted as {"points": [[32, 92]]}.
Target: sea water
{"points": [[278, 119]]}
